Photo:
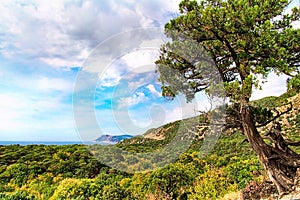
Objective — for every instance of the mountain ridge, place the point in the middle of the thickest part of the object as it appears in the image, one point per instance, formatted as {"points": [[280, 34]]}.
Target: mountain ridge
{"points": [[113, 138]]}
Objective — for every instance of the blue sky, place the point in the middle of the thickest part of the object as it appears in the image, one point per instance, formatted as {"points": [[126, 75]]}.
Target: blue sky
{"points": [[45, 45]]}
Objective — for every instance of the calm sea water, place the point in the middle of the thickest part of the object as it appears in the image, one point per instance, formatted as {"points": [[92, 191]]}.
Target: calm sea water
{"points": [[24, 143]]}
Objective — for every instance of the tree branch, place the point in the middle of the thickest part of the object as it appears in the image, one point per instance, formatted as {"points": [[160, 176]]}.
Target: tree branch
{"points": [[277, 116], [294, 144]]}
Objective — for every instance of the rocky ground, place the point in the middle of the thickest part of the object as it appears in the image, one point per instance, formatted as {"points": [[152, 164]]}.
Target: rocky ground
{"points": [[264, 191]]}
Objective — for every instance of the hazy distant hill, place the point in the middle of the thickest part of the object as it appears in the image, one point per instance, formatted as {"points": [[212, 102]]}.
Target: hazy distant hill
{"points": [[157, 137], [113, 138]]}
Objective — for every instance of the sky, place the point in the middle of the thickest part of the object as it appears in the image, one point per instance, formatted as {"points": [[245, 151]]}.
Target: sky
{"points": [[54, 86]]}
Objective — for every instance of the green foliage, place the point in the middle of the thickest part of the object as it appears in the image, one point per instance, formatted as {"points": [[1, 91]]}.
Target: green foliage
{"points": [[294, 83], [149, 145], [71, 172], [242, 171], [19, 195], [173, 180], [231, 43], [243, 38], [45, 178], [71, 188], [266, 102], [37, 169], [212, 184]]}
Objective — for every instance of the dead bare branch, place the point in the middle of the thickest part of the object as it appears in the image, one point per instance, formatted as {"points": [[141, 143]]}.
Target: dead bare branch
{"points": [[277, 116], [294, 144]]}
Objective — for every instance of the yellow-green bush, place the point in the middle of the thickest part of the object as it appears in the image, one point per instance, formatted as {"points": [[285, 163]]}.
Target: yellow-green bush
{"points": [[212, 184]]}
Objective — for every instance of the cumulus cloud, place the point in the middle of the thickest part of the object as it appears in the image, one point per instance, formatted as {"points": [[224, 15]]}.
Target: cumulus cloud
{"points": [[65, 33], [62, 33], [275, 86], [111, 76], [142, 60], [135, 99], [153, 90]]}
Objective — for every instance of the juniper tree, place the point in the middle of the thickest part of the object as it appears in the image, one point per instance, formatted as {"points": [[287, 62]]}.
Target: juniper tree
{"points": [[246, 39]]}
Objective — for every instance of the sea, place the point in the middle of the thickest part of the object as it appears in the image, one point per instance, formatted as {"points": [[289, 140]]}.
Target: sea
{"points": [[59, 143]]}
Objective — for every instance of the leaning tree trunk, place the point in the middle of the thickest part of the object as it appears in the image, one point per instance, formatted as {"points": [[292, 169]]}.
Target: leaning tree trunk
{"points": [[279, 161]]}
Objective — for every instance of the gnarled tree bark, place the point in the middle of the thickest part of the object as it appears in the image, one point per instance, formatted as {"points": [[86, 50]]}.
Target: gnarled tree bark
{"points": [[279, 160]]}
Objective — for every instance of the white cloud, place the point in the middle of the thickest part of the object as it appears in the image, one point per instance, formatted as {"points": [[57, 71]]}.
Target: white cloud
{"points": [[142, 60], [136, 80], [63, 33], [135, 99], [54, 84], [60, 33], [111, 75], [184, 110], [275, 86], [153, 90]]}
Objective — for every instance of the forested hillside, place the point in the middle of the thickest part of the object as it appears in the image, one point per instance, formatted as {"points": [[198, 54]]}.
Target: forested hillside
{"points": [[71, 172]]}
